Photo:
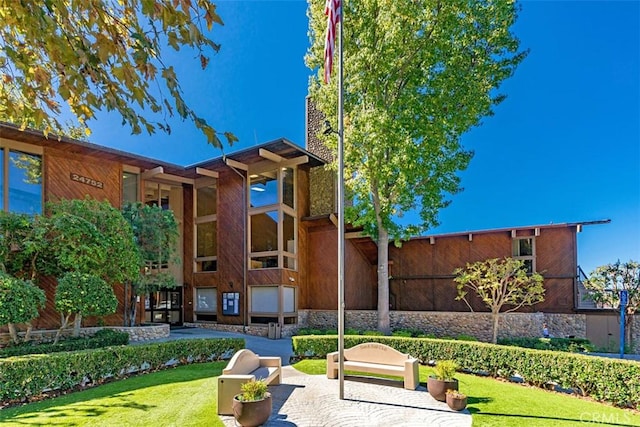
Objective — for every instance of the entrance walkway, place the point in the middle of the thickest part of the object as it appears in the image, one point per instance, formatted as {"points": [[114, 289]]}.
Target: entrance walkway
{"points": [[312, 400]]}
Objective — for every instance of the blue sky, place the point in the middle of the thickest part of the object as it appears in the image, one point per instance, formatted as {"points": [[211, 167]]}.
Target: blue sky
{"points": [[563, 147]]}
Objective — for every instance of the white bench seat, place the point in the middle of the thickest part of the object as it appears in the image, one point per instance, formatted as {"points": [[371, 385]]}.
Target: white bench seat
{"points": [[243, 367], [376, 358]]}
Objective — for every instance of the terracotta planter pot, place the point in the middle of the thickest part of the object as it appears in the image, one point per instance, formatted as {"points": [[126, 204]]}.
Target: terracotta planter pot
{"points": [[252, 413], [456, 403], [438, 388]]}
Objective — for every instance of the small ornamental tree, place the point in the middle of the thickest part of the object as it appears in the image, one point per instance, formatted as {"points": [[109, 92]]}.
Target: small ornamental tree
{"points": [[499, 283], [20, 302], [82, 294], [89, 238], [92, 237], [155, 234], [606, 282]]}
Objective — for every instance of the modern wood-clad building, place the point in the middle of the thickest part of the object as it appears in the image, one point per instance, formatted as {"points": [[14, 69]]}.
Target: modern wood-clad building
{"points": [[259, 238]]}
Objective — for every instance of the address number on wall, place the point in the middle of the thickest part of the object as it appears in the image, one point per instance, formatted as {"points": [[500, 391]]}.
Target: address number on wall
{"points": [[86, 180]]}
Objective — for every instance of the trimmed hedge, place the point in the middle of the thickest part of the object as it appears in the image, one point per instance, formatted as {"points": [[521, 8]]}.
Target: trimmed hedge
{"points": [[573, 345], [102, 338], [27, 376], [608, 380]]}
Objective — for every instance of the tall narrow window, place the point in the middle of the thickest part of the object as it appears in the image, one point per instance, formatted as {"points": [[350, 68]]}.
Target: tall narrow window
{"points": [[206, 227], [272, 219], [129, 187], [524, 249], [24, 182]]}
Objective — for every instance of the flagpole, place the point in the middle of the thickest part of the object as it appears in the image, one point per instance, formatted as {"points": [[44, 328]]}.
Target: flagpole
{"points": [[340, 208]]}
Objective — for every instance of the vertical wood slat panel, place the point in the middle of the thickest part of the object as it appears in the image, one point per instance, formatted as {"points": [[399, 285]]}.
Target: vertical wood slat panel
{"points": [[231, 234]]}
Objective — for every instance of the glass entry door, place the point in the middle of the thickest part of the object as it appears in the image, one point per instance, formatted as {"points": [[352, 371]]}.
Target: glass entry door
{"points": [[164, 307]]}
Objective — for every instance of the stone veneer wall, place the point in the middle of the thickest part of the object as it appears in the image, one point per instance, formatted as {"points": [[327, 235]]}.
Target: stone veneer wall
{"points": [[256, 330], [136, 333], [476, 324]]}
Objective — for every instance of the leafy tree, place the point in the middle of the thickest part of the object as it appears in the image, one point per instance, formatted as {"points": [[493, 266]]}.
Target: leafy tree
{"points": [[21, 242], [605, 283], [101, 55], [499, 283], [156, 234], [20, 302], [418, 75], [91, 237], [82, 294]]}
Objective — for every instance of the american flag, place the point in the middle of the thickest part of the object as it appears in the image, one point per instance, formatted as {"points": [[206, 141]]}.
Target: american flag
{"points": [[333, 10]]}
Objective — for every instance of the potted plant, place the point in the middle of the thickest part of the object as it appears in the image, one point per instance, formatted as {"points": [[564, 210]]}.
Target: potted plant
{"points": [[443, 380], [252, 407], [456, 400]]}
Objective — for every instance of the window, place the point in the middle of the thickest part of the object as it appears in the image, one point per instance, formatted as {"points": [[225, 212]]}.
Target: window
{"points": [[21, 179], [206, 232], [206, 304], [130, 185], [273, 304], [272, 219], [524, 249]]}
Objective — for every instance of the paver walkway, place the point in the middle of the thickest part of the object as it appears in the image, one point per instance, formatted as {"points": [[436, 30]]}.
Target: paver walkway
{"points": [[312, 400]]}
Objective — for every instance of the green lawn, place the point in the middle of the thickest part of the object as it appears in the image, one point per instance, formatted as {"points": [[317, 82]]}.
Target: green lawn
{"points": [[498, 403], [187, 396], [184, 396]]}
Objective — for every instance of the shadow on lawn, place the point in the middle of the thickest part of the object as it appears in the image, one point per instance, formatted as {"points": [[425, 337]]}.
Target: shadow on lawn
{"points": [[120, 392]]}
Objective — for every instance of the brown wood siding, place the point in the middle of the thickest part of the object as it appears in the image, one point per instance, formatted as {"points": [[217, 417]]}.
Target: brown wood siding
{"points": [[303, 206], [187, 255], [59, 166], [360, 278], [231, 234]]}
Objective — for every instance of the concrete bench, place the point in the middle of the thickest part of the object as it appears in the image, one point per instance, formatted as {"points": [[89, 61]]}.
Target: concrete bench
{"points": [[243, 367], [376, 358]]}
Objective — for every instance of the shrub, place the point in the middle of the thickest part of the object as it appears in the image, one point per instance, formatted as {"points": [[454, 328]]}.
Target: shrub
{"points": [[445, 370], [610, 380], [102, 338], [573, 345], [253, 390], [26, 377]]}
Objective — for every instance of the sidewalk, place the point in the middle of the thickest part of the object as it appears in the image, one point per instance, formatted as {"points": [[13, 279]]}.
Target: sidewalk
{"points": [[312, 400]]}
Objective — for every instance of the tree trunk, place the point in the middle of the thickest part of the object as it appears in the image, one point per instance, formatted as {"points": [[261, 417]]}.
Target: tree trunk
{"points": [[27, 335], [384, 324], [133, 309], [496, 318], [65, 322], [77, 322], [13, 333]]}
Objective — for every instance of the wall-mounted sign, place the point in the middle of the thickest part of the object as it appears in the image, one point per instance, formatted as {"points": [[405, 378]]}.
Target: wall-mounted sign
{"points": [[86, 180], [231, 303]]}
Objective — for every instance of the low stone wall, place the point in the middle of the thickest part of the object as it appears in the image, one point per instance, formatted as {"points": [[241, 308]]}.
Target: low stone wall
{"points": [[453, 324], [136, 333], [255, 330]]}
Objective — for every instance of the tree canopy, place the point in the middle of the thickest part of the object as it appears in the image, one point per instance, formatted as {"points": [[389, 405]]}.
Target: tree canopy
{"points": [[417, 76], [499, 283], [101, 55], [606, 282]]}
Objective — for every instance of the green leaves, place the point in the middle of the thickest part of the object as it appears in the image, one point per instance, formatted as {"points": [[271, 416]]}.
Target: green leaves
{"points": [[95, 56], [85, 294], [20, 300], [606, 282], [500, 282], [418, 75]]}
